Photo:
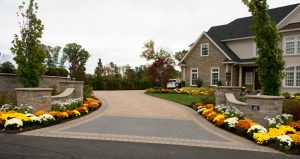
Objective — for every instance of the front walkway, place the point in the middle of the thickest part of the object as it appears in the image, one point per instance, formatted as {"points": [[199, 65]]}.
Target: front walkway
{"points": [[135, 117]]}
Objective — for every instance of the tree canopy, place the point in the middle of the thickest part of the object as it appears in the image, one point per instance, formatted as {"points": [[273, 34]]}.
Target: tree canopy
{"points": [[27, 46], [270, 62], [77, 57]]}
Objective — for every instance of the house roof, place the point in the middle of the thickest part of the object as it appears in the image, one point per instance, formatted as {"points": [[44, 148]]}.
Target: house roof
{"points": [[241, 28]]}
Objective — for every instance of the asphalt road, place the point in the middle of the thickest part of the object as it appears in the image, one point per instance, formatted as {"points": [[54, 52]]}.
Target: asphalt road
{"points": [[27, 147]]}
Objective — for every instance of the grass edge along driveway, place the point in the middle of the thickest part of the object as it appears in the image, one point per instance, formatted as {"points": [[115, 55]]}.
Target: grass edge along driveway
{"points": [[184, 99]]}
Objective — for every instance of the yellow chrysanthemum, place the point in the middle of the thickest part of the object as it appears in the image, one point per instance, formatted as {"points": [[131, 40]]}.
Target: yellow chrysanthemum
{"points": [[261, 138], [273, 132], [13, 114], [287, 129]]}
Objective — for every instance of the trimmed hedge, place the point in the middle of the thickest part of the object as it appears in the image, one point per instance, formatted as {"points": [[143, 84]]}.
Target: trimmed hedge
{"points": [[120, 84], [57, 72]]}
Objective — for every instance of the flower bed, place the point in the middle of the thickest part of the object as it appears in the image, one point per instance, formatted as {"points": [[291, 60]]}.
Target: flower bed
{"points": [[282, 131], [15, 119], [185, 90]]}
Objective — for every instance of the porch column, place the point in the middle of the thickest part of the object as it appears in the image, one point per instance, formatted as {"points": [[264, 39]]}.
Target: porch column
{"points": [[240, 75], [183, 73]]}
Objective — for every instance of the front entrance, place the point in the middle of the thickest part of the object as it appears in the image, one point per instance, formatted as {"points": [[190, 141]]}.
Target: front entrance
{"points": [[250, 79]]}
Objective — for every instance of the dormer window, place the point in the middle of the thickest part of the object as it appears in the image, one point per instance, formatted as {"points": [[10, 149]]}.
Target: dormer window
{"points": [[204, 49]]}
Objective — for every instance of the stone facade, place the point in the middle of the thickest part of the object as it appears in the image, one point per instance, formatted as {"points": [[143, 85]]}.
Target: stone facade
{"points": [[205, 63], [38, 98]]}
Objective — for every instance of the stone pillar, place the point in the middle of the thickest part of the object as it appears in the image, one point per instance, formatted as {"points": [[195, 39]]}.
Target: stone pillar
{"points": [[38, 98], [260, 106], [221, 90], [78, 85]]}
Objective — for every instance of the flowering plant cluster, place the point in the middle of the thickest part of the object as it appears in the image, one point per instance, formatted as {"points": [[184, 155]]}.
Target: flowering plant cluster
{"points": [[184, 90], [281, 131], [11, 119], [283, 119]]}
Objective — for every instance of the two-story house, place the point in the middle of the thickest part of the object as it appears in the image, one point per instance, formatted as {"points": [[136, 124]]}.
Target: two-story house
{"points": [[227, 53]]}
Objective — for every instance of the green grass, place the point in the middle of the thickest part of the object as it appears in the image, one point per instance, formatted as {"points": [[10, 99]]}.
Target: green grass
{"points": [[183, 99]]}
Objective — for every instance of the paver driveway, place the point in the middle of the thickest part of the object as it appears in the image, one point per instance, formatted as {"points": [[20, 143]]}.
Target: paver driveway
{"points": [[136, 117]]}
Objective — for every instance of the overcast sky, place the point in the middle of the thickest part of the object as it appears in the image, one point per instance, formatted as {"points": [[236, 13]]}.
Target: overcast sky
{"points": [[115, 30]]}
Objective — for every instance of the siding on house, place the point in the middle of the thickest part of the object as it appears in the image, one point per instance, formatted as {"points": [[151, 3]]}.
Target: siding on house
{"points": [[205, 63], [244, 49], [294, 18]]}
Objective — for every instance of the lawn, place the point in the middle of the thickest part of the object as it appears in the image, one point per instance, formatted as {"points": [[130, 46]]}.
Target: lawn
{"points": [[183, 99]]}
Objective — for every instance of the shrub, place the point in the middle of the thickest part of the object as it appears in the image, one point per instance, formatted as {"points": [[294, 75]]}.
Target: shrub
{"points": [[219, 83], [286, 95], [297, 94], [57, 72], [87, 91], [182, 83], [199, 82], [7, 67], [292, 106]]}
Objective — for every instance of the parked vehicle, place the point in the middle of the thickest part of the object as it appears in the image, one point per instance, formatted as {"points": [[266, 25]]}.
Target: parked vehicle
{"points": [[171, 83]]}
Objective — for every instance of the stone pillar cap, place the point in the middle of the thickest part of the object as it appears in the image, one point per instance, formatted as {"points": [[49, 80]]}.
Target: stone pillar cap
{"points": [[264, 97], [33, 89]]}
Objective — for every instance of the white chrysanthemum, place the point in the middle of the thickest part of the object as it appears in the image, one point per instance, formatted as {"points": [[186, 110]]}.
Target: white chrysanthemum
{"points": [[285, 139], [259, 128], [231, 121], [29, 114], [46, 117], [13, 121], [35, 119]]}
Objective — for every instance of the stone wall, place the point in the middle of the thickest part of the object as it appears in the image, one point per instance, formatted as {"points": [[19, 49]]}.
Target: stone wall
{"points": [[38, 98], [257, 106], [78, 85], [222, 90], [8, 82]]}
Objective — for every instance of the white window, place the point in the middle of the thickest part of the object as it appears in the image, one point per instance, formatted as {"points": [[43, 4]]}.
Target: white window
{"points": [[292, 45], [204, 49], [249, 78], [292, 76], [194, 76], [214, 76]]}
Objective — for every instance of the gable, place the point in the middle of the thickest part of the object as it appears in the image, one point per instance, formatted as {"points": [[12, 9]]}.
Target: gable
{"points": [[197, 43], [293, 17]]}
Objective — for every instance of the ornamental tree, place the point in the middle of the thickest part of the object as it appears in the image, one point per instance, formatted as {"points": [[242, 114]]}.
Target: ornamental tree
{"points": [[77, 57], [270, 62], [27, 46], [162, 69]]}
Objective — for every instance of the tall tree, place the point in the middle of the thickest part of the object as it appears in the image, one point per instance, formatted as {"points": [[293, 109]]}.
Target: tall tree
{"points": [[27, 46], [52, 56], [77, 57], [99, 71], [270, 62], [180, 54], [162, 68]]}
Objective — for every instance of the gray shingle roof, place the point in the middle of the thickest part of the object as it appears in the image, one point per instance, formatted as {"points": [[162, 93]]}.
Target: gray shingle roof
{"points": [[241, 27]]}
